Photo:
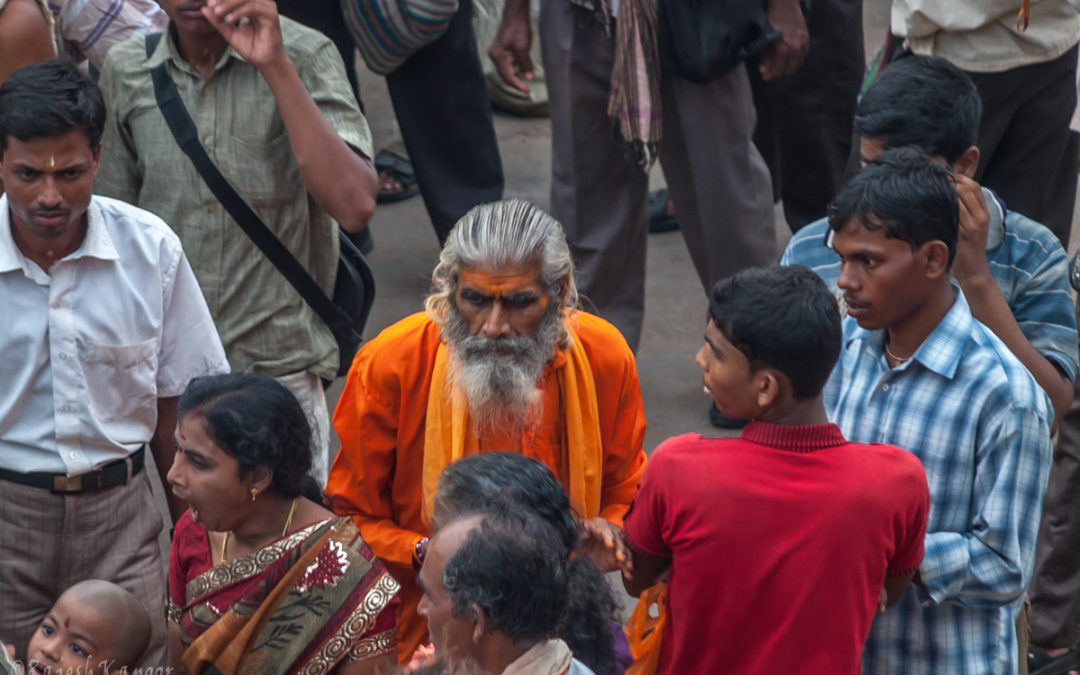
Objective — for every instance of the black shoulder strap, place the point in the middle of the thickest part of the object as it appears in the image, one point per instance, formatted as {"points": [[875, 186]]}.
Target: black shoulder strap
{"points": [[187, 137]]}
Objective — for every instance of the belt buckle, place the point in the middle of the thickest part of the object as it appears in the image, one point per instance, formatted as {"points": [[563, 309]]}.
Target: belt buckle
{"points": [[67, 484]]}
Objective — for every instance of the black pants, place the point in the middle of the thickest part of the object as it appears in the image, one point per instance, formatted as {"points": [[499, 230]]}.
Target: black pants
{"points": [[1029, 156], [804, 120], [325, 16], [441, 103]]}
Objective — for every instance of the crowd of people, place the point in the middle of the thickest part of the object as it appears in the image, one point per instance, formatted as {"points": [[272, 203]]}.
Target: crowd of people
{"points": [[899, 377]]}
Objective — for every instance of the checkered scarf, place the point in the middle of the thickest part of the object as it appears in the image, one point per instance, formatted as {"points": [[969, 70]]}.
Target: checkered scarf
{"points": [[634, 101]]}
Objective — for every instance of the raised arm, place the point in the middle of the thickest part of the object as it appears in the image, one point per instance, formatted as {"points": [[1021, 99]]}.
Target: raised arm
{"points": [[340, 180], [988, 304]]}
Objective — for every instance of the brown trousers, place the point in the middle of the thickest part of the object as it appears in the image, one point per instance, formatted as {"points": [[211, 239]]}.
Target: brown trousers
{"points": [[48, 542], [717, 178]]}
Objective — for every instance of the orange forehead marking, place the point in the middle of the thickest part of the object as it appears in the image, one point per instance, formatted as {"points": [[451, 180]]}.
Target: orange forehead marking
{"points": [[498, 284]]}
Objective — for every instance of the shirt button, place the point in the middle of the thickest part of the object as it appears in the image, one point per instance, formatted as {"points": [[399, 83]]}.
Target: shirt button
{"points": [[73, 455], [885, 387], [63, 356], [210, 209]]}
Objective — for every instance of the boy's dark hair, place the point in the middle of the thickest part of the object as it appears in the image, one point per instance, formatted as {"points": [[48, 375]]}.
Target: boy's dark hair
{"points": [[479, 483], [49, 99], [783, 318], [509, 569], [923, 101], [905, 192], [258, 421]]}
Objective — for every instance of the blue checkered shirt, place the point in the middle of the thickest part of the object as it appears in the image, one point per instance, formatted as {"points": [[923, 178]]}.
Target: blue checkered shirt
{"points": [[979, 423], [1027, 262]]}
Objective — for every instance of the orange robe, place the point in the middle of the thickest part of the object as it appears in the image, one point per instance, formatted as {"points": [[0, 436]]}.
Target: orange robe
{"points": [[378, 474]]}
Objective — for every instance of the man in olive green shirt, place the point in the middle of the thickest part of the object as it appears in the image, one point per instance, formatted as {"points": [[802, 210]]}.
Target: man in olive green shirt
{"points": [[276, 115]]}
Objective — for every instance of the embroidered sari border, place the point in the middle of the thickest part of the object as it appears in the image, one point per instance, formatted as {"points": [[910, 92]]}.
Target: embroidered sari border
{"points": [[246, 566]]}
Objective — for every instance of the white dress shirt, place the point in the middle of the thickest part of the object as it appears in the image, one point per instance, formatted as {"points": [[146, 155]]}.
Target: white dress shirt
{"points": [[91, 345]]}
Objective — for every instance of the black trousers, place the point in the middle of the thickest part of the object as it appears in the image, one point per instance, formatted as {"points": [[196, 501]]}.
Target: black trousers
{"points": [[441, 103], [1029, 156], [804, 120], [325, 16]]}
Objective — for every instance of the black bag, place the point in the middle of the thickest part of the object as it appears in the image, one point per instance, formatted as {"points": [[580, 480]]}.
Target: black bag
{"points": [[354, 288], [704, 39]]}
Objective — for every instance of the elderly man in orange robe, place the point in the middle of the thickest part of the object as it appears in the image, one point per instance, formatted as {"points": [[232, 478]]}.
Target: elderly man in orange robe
{"points": [[502, 359]]}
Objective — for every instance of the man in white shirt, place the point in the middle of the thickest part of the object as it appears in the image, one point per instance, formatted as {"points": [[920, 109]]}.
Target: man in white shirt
{"points": [[105, 326]]}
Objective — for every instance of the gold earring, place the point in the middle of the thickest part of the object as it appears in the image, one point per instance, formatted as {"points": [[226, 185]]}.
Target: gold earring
{"points": [[254, 493]]}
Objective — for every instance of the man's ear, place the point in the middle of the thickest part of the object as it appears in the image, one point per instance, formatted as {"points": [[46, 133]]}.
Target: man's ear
{"points": [[768, 387], [935, 258], [968, 162], [480, 622], [564, 288]]}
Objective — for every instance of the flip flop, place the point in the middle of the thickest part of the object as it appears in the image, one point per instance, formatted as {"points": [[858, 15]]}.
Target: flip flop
{"points": [[659, 221], [1041, 663], [400, 170]]}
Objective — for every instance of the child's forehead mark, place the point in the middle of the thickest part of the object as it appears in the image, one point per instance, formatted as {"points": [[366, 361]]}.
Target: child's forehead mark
{"points": [[67, 623]]}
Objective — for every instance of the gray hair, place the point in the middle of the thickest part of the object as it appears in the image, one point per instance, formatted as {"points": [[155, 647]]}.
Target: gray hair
{"points": [[501, 234]]}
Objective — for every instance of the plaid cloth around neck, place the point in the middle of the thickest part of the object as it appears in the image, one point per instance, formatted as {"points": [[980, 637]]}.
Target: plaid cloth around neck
{"points": [[634, 101], [979, 423]]}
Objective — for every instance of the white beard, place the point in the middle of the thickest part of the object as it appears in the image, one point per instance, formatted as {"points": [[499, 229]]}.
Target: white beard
{"points": [[500, 376]]}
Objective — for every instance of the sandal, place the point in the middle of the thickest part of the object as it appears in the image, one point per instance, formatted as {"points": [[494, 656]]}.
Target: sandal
{"points": [[659, 221], [390, 165], [1041, 663]]}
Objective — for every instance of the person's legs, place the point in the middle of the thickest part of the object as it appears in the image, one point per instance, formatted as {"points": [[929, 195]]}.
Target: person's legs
{"points": [[113, 535], [31, 522], [804, 120], [308, 390], [597, 192], [717, 178], [1055, 585], [440, 100], [1024, 137]]}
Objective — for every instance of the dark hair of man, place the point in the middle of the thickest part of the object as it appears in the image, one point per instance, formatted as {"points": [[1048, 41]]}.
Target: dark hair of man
{"points": [[49, 99], [923, 101], [508, 568], [475, 483], [904, 192], [782, 318], [258, 421]]}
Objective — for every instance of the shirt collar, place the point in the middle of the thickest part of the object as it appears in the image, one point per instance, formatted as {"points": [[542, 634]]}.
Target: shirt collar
{"points": [[167, 50], [942, 349], [96, 244], [796, 438]]}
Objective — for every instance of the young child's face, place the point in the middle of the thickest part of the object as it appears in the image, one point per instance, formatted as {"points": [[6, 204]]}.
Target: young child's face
{"points": [[73, 639]]}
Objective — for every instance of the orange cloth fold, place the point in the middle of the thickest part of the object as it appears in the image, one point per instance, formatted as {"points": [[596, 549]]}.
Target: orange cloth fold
{"points": [[449, 434]]}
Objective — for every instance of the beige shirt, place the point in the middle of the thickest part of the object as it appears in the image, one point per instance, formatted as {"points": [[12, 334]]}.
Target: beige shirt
{"points": [[981, 35], [264, 323]]}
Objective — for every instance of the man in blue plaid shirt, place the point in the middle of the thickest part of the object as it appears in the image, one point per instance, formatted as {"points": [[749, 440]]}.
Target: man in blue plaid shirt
{"points": [[918, 371]]}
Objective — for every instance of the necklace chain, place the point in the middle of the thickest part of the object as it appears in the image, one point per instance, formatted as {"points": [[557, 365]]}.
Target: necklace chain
{"points": [[894, 357], [284, 531]]}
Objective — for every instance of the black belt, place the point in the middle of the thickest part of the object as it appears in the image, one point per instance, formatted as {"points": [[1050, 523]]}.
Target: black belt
{"points": [[108, 476]]}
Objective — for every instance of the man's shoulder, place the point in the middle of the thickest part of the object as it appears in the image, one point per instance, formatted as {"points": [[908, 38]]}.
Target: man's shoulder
{"points": [[887, 462], [135, 223], [992, 367], [1027, 239], [127, 56], [808, 248], [403, 349], [300, 41], [602, 341]]}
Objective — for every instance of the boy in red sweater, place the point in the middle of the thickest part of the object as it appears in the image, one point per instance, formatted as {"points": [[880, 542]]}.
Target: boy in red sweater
{"points": [[782, 542]]}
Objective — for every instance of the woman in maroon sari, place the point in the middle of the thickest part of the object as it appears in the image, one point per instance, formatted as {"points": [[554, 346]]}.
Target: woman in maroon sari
{"points": [[262, 579]]}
